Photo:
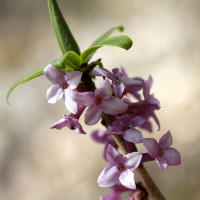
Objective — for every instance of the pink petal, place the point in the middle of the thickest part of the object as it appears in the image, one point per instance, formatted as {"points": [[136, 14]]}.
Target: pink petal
{"points": [[151, 146], [54, 94], [133, 160], [56, 76], [147, 86], [104, 91], [109, 176], [136, 121], [130, 81], [162, 162], [113, 156], [166, 140], [83, 98], [127, 179], [60, 124], [118, 88], [172, 156], [99, 71], [99, 136], [113, 106], [92, 115], [133, 135], [71, 105], [73, 78]]}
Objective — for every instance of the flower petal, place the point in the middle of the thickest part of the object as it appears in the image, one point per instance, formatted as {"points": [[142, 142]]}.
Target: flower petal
{"points": [[133, 160], [172, 156], [54, 94], [71, 105], [162, 162], [166, 140], [56, 76], [73, 78], [109, 176], [127, 179], [133, 135], [99, 71], [60, 124], [113, 106], [83, 98], [113, 156], [147, 86], [113, 196], [92, 115], [118, 88], [99, 136], [151, 146], [136, 121], [104, 91]]}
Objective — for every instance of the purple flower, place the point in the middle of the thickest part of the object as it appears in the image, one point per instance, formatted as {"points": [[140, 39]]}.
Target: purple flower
{"points": [[117, 191], [119, 79], [101, 137], [150, 97], [119, 169], [71, 122], [162, 152], [99, 101], [64, 84], [125, 126], [146, 107]]}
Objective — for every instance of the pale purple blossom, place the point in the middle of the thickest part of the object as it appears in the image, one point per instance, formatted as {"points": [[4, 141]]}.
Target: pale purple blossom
{"points": [[119, 79], [120, 168], [101, 100], [117, 191], [146, 107], [64, 84], [162, 152], [103, 138], [71, 122], [125, 126]]}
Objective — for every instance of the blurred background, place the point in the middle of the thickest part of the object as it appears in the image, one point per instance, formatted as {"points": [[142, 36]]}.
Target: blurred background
{"points": [[37, 163]]}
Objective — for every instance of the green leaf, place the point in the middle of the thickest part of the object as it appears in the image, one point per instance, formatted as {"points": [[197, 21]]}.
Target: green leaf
{"points": [[121, 41], [68, 62], [106, 35], [63, 33], [26, 78]]}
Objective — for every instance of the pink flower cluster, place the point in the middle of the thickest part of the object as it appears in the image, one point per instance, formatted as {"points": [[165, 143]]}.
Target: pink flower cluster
{"points": [[129, 118]]}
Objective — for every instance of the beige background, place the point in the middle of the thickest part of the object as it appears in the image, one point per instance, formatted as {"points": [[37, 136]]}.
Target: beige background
{"points": [[37, 163]]}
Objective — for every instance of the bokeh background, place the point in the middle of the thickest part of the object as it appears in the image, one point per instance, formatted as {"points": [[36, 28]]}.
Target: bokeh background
{"points": [[37, 163]]}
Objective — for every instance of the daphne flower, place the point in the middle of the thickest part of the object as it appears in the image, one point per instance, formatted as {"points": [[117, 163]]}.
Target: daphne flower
{"points": [[64, 84], [125, 126], [119, 79], [162, 152], [71, 122], [119, 169], [101, 137], [99, 101]]}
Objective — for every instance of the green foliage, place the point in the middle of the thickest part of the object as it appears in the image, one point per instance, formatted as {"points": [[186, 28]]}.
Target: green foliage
{"points": [[121, 41], [68, 62], [26, 78], [71, 58], [63, 33]]}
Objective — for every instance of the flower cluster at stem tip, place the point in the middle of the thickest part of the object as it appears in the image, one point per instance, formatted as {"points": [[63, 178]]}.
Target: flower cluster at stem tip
{"points": [[113, 99]]}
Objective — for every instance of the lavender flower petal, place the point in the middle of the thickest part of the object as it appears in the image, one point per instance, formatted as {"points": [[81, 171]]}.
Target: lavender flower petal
{"points": [[54, 94], [109, 176], [113, 106], [127, 179], [92, 115]]}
